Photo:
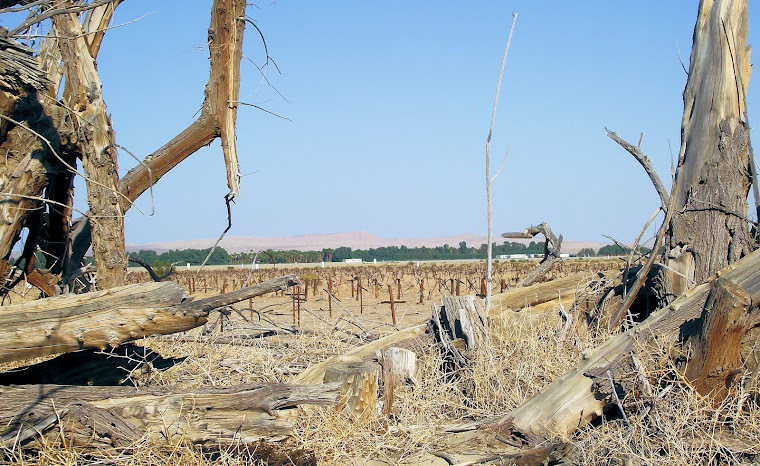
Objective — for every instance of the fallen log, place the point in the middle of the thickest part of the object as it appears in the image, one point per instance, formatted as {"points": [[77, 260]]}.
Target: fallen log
{"points": [[119, 416], [518, 298], [108, 318], [574, 400]]}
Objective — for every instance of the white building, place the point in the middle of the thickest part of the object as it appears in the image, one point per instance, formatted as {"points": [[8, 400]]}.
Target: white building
{"points": [[353, 261]]}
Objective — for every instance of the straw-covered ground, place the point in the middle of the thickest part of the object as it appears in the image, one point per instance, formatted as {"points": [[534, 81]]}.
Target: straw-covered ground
{"points": [[665, 422]]}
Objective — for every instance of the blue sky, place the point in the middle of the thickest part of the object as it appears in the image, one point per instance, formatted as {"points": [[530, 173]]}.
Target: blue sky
{"points": [[389, 105]]}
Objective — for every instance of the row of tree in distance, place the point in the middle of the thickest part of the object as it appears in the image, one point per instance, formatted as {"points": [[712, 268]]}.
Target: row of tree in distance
{"points": [[388, 253]]}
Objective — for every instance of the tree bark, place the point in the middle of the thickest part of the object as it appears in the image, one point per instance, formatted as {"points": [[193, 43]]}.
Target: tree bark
{"points": [[709, 229], [98, 145]]}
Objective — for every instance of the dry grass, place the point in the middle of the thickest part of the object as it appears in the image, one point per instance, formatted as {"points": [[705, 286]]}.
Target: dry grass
{"points": [[669, 423]]}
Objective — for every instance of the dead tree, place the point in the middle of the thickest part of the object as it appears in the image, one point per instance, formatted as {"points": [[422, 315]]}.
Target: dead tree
{"points": [[552, 247], [711, 271], [45, 138]]}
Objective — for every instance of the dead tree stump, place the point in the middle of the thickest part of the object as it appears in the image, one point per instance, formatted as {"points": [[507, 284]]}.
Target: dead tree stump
{"points": [[460, 326], [358, 394]]}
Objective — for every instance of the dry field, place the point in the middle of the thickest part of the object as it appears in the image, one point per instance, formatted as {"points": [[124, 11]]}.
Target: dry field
{"points": [[265, 341]]}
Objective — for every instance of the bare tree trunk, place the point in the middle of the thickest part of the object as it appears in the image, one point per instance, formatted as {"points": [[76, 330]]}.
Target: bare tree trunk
{"points": [[99, 158], [709, 229]]}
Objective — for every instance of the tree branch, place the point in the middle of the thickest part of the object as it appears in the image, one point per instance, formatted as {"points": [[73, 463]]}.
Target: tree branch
{"points": [[645, 162]]}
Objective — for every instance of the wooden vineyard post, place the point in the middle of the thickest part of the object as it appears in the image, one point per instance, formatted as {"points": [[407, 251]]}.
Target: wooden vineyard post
{"points": [[503, 285], [329, 297], [398, 288], [306, 290], [293, 296], [393, 305], [358, 397], [377, 289], [205, 286], [352, 288], [422, 290], [483, 287], [298, 305], [458, 283], [360, 294], [189, 287]]}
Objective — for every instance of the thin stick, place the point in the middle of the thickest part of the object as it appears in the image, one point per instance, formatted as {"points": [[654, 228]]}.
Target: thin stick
{"points": [[489, 265], [355, 320], [617, 400], [644, 271]]}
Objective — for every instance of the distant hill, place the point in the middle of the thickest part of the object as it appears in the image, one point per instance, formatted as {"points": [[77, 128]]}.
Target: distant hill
{"points": [[356, 240]]}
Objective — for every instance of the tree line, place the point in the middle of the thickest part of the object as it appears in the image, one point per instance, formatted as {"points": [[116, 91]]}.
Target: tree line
{"points": [[387, 253]]}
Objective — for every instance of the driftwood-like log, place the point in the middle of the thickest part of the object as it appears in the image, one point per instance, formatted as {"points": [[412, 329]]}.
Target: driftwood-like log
{"points": [[573, 400], [359, 384], [118, 416], [518, 298], [107, 318], [552, 247]]}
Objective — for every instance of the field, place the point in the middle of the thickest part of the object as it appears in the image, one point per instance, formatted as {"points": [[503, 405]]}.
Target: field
{"points": [[275, 337]]}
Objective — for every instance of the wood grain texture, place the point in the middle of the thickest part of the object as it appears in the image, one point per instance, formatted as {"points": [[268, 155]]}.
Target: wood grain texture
{"points": [[244, 412]]}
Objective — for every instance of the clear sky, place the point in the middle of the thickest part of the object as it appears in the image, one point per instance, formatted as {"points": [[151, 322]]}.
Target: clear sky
{"points": [[389, 105]]}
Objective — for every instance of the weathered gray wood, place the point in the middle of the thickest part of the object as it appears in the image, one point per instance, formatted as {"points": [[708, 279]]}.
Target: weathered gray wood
{"points": [[709, 229], [244, 412], [108, 318], [316, 373], [518, 298], [552, 248], [460, 327]]}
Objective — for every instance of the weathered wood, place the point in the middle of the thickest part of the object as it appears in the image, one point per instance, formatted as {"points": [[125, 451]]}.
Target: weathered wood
{"points": [[98, 147], [359, 385], [552, 247], [709, 229], [571, 401], [518, 298], [401, 363], [716, 349], [460, 319], [245, 413], [316, 373], [107, 318]]}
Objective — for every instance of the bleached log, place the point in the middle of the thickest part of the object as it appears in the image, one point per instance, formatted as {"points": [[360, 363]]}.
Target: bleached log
{"points": [[119, 416], [518, 298], [107, 318], [359, 385]]}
